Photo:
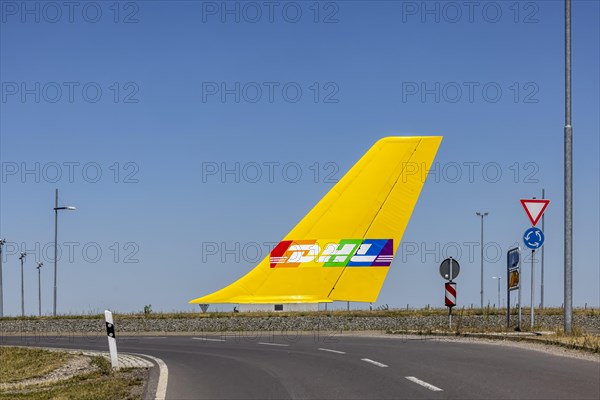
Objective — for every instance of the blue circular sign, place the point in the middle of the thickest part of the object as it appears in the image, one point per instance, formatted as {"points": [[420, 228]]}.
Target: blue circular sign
{"points": [[533, 238]]}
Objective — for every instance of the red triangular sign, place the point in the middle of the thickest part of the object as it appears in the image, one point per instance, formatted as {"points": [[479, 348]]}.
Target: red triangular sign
{"points": [[534, 208]]}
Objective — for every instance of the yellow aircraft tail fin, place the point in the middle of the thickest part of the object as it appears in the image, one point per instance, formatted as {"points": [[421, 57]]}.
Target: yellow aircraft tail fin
{"points": [[343, 248]]}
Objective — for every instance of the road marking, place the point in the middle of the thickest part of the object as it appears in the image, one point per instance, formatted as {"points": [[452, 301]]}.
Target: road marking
{"points": [[274, 344], [163, 377], [424, 384], [154, 337], [374, 362], [332, 351], [208, 339]]}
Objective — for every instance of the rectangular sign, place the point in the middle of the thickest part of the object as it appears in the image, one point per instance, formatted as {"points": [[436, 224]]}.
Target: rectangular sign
{"points": [[513, 279], [513, 268]]}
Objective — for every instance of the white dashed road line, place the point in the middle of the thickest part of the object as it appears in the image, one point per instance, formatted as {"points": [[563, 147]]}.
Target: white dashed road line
{"points": [[208, 339], [332, 351], [374, 362], [424, 384], [274, 344]]}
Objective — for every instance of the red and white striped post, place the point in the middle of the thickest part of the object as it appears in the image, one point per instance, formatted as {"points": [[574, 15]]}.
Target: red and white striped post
{"points": [[450, 299]]}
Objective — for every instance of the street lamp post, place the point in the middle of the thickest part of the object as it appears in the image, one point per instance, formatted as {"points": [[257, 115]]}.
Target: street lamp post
{"points": [[481, 214], [56, 209], [2, 241], [568, 180], [22, 258], [499, 278], [39, 268]]}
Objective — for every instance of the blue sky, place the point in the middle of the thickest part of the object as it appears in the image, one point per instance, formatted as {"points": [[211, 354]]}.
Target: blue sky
{"points": [[136, 111]]}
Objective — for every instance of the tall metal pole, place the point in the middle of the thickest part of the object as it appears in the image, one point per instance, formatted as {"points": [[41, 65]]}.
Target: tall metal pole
{"points": [[56, 209], [55, 247], [482, 214], [542, 272], [481, 292], [532, 315], [39, 268], [568, 177], [499, 279], [2, 241], [22, 258]]}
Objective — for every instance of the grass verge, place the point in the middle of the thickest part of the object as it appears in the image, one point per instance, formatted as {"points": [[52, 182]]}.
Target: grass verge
{"points": [[17, 364], [102, 383]]}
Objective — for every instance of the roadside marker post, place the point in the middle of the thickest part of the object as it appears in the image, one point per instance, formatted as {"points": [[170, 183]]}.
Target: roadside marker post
{"points": [[449, 269], [112, 340], [450, 300]]}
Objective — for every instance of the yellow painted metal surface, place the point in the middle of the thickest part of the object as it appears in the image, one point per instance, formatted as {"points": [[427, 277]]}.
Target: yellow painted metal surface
{"points": [[342, 249]]}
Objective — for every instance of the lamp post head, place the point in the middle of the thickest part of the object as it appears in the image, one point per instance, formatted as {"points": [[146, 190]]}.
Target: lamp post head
{"points": [[22, 256], [71, 208], [2, 242], [40, 265]]}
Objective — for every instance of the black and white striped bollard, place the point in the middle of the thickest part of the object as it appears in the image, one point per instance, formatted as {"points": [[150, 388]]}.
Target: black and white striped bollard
{"points": [[112, 339]]}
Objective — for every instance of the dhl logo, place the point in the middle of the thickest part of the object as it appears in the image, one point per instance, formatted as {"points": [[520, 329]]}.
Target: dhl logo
{"points": [[337, 253]]}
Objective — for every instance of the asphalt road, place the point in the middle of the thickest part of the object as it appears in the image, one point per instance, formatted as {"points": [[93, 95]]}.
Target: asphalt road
{"points": [[343, 367]]}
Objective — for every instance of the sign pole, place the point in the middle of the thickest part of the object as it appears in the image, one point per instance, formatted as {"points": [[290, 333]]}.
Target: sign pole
{"points": [[533, 238], [507, 299], [513, 279], [447, 269], [450, 308], [532, 287], [519, 319], [542, 272]]}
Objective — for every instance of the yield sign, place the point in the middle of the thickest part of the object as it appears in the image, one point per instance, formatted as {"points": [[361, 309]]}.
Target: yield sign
{"points": [[534, 208]]}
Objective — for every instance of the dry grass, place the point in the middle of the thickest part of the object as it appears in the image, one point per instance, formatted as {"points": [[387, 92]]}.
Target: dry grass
{"points": [[100, 384], [579, 339], [17, 364]]}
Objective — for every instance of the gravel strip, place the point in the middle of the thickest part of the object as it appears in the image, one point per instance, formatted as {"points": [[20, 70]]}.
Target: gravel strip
{"points": [[66, 326]]}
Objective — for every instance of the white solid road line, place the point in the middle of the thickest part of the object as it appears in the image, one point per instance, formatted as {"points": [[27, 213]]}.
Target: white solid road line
{"points": [[374, 362], [208, 339], [424, 384], [163, 377], [273, 344], [332, 351]]}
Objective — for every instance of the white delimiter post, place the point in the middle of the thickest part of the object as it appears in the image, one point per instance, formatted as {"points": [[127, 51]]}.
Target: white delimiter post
{"points": [[112, 340]]}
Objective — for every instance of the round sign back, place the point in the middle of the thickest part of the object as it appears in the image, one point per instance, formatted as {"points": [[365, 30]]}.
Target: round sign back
{"points": [[445, 268]]}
